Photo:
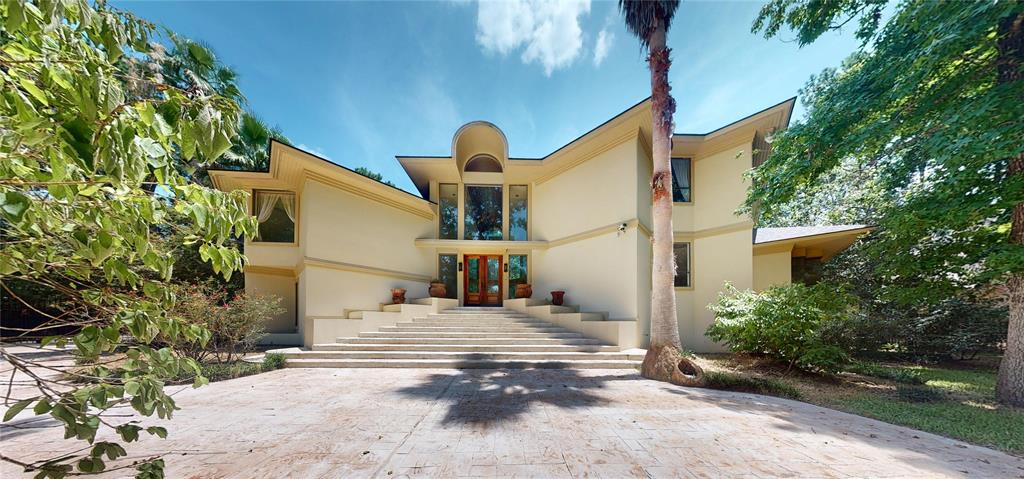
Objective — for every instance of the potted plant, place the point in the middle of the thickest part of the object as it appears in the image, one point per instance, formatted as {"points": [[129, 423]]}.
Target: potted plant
{"points": [[557, 297], [438, 289], [524, 290], [398, 295]]}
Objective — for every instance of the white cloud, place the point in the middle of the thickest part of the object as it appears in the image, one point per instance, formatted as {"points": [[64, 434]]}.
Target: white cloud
{"points": [[313, 149], [548, 30], [604, 43]]}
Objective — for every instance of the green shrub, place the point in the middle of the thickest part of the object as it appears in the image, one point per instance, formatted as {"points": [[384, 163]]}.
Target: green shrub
{"points": [[234, 326], [794, 323], [237, 369], [735, 382], [919, 393], [272, 361], [900, 375]]}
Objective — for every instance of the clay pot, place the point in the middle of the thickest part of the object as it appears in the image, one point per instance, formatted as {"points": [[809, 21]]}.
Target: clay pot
{"points": [[398, 295], [557, 297], [524, 290], [438, 289]]}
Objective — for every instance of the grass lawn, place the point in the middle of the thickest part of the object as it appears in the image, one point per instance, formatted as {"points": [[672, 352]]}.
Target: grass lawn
{"points": [[955, 400]]}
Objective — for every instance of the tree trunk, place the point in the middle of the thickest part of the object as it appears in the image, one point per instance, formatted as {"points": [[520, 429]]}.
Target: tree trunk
{"points": [[664, 360], [1010, 384]]}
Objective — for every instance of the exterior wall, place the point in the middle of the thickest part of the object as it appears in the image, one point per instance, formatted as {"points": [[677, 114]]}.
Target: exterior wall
{"points": [[346, 228], [721, 241], [716, 259], [282, 287], [361, 249], [329, 292], [598, 272], [772, 269]]}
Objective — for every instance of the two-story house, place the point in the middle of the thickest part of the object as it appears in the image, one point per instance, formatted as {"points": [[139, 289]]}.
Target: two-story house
{"points": [[333, 243]]}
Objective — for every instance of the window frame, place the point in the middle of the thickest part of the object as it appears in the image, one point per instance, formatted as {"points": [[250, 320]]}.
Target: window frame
{"points": [[501, 211], [295, 224], [509, 219], [453, 293], [440, 212], [689, 265], [508, 276], [689, 161]]}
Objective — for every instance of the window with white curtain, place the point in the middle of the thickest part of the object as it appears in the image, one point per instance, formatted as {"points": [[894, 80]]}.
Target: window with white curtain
{"points": [[275, 211]]}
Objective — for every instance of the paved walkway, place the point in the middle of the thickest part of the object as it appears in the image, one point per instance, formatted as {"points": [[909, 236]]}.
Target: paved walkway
{"points": [[392, 423]]}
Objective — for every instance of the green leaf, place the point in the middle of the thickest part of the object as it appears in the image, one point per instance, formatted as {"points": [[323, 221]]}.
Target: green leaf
{"points": [[13, 205], [17, 408], [36, 93]]}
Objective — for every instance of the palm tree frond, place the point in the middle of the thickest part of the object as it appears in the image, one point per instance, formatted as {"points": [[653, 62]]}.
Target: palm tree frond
{"points": [[643, 15]]}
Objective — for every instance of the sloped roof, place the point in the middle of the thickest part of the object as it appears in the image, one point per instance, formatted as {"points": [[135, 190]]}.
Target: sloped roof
{"points": [[769, 235]]}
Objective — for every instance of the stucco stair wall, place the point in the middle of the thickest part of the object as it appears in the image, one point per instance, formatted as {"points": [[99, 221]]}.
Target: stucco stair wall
{"points": [[465, 338]]}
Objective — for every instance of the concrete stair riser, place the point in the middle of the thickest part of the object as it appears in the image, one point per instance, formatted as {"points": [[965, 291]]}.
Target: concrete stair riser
{"points": [[465, 347], [491, 329], [483, 335], [457, 364], [463, 356], [394, 340]]}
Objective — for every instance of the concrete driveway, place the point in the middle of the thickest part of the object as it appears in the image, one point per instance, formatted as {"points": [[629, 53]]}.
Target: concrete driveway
{"points": [[388, 423]]}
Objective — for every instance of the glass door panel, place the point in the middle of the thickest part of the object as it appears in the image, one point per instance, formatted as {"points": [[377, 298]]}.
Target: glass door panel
{"points": [[483, 280]]}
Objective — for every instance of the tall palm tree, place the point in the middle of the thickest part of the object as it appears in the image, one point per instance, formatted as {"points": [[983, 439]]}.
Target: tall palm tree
{"points": [[249, 149], [649, 20]]}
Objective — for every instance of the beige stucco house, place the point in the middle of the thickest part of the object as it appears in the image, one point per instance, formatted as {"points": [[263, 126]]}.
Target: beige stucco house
{"points": [[333, 243]]}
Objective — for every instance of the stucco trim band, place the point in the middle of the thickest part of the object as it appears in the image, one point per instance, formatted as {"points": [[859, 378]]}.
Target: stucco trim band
{"points": [[358, 268]]}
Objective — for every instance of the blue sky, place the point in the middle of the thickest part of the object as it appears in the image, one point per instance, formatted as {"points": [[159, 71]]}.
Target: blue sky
{"points": [[362, 82]]}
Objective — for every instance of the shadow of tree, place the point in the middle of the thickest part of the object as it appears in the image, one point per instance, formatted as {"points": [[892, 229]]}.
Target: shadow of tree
{"points": [[491, 396]]}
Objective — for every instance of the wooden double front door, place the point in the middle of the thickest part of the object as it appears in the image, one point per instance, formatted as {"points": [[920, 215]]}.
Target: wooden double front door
{"points": [[482, 280]]}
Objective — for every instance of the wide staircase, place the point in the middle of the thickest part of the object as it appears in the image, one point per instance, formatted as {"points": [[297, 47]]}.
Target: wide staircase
{"points": [[469, 338]]}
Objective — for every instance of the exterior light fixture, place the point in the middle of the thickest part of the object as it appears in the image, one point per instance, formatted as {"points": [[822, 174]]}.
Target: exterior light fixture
{"points": [[506, 267], [460, 266]]}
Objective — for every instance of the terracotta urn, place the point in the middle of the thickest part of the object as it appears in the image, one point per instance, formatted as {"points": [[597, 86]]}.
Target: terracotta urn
{"points": [[438, 289], [557, 297], [398, 295], [524, 290]]}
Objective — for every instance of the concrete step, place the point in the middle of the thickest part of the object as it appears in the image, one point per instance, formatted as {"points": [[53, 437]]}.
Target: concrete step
{"points": [[477, 317], [459, 334], [461, 364], [481, 348], [453, 355], [473, 327], [436, 340]]}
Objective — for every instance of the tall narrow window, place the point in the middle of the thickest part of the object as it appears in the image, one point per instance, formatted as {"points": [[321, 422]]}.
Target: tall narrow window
{"points": [[483, 213], [517, 273], [682, 251], [448, 207], [275, 211], [681, 180], [447, 273], [518, 203]]}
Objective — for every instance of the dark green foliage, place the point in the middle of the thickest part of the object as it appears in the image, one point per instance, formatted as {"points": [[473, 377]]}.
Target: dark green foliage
{"points": [[911, 393], [373, 175], [900, 375], [757, 385], [796, 324], [921, 107], [272, 361]]}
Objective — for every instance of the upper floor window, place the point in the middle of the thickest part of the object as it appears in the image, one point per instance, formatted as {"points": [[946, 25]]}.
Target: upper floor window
{"points": [[681, 169], [448, 206], [518, 203], [682, 253], [483, 212], [483, 164], [275, 211]]}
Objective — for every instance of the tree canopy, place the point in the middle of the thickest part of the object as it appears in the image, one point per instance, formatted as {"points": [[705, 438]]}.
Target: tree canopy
{"points": [[91, 149]]}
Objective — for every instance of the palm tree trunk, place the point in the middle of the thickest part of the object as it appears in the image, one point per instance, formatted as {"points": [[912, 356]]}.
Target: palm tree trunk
{"points": [[664, 358], [1010, 383]]}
